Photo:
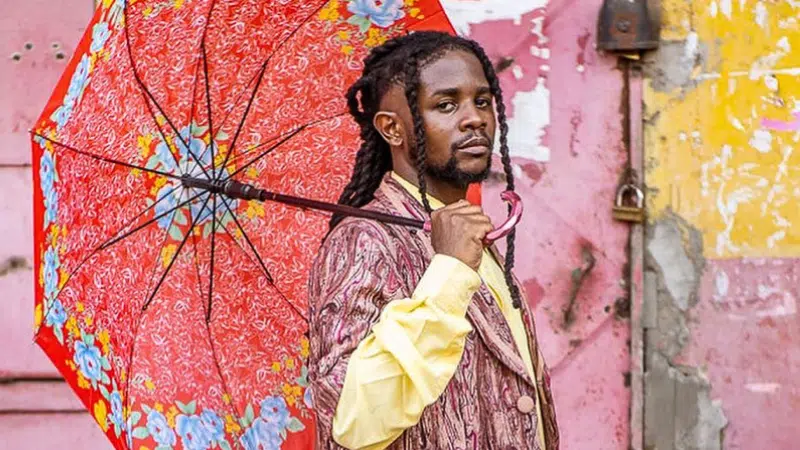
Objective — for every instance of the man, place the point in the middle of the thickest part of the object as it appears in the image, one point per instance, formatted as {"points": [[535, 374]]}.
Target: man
{"points": [[416, 342]]}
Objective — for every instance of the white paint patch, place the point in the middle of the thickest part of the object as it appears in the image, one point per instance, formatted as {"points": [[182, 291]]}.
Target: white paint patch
{"points": [[772, 82], [517, 71], [538, 29], [527, 127], [722, 283], [463, 13], [762, 388], [761, 141], [726, 7], [783, 44], [713, 9], [581, 68], [736, 123], [692, 44], [788, 23], [761, 14], [775, 238]]}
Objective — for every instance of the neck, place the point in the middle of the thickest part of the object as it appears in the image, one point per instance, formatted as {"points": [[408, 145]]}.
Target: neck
{"points": [[446, 192]]}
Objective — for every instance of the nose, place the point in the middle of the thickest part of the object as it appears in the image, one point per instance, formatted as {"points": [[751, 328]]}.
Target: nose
{"points": [[473, 118]]}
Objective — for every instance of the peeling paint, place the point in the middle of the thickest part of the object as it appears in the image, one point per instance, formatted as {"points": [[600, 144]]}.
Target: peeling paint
{"points": [[740, 188], [526, 91], [723, 180], [527, 127], [463, 13]]}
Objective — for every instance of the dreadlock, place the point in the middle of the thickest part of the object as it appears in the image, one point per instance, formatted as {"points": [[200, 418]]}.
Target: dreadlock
{"points": [[399, 61]]}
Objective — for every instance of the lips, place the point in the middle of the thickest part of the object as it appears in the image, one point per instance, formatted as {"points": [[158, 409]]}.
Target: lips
{"points": [[477, 146]]}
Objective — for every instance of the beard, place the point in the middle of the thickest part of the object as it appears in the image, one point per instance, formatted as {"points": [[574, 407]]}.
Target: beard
{"points": [[452, 174]]}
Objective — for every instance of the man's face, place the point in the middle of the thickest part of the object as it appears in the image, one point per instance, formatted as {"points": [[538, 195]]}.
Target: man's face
{"points": [[458, 114]]}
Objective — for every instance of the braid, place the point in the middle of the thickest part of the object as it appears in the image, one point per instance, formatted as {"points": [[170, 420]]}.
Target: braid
{"points": [[372, 161], [412, 97], [398, 61], [497, 93]]}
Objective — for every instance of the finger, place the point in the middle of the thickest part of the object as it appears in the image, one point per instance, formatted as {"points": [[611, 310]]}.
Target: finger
{"points": [[483, 229], [457, 205], [470, 210]]}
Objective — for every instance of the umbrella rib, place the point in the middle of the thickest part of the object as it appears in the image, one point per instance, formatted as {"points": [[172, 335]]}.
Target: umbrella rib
{"points": [[163, 243], [175, 256], [150, 95], [261, 262], [261, 77], [98, 249], [104, 159], [266, 152], [212, 141], [276, 136], [211, 268], [201, 289], [161, 133], [194, 89], [113, 241]]}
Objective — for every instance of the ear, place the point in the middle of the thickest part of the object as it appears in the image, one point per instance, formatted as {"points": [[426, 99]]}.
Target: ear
{"points": [[390, 127]]}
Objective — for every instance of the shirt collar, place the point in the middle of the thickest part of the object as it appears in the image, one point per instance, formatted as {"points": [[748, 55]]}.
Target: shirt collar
{"points": [[414, 191]]}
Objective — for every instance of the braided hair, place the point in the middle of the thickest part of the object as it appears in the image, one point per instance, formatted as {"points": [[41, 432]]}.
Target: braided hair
{"points": [[399, 61]]}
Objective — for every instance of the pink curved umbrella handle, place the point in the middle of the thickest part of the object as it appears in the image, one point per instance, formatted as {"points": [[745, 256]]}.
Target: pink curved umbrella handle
{"points": [[503, 230]]}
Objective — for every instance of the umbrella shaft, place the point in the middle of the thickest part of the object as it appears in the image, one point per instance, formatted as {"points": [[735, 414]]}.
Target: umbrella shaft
{"points": [[235, 189]]}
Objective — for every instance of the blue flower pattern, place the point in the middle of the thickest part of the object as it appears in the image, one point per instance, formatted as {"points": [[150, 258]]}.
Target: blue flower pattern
{"points": [[51, 265], [193, 433], [159, 428], [381, 13], [186, 163], [56, 317], [308, 399], [116, 409], [87, 357], [100, 34], [213, 424], [261, 436], [165, 202], [275, 413], [47, 182]]}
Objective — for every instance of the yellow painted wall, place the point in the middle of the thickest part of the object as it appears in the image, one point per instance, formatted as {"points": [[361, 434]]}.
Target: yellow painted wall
{"points": [[721, 146]]}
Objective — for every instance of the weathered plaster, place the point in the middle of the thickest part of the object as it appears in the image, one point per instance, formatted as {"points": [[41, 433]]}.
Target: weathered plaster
{"points": [[679, 411]]}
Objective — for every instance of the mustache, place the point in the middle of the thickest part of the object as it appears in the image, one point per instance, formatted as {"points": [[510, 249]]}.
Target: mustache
{"points": [[477, 138]]}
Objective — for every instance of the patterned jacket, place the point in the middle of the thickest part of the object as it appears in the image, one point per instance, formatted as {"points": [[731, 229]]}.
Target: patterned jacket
{"points": [[486, 405]]}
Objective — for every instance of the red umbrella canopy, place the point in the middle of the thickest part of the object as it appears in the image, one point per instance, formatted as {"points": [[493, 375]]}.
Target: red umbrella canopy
{"points": [[178, 316]]}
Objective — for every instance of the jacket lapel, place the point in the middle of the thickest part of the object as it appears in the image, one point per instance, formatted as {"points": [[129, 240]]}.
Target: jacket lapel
{"points": [[484, 312]]}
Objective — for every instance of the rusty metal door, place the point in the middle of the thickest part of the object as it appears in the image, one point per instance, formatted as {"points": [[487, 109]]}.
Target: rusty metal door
{"points": [[568, 110]]}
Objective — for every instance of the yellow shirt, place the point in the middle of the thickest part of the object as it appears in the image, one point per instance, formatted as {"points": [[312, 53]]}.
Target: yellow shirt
{"points": [[398, 369]]}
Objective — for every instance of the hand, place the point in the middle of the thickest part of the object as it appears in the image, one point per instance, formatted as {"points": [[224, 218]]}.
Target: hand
{"points": [[457, 230]]}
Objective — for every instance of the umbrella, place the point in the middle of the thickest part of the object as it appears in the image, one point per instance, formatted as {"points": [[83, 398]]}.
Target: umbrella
{"points": [[172, 300]]}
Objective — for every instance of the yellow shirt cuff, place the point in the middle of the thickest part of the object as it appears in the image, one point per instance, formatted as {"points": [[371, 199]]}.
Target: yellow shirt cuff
{"points": [[448, 285]]}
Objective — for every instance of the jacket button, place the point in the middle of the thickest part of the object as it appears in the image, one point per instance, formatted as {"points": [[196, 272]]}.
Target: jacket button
{"points": [[525, 404]]}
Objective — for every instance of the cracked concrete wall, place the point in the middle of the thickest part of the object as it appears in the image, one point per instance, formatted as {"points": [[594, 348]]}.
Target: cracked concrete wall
{"points": [[679, 411], [721, 123]]}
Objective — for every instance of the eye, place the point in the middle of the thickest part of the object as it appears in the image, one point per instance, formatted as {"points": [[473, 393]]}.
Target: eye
{"points": [[483, 102], [446, 107]]}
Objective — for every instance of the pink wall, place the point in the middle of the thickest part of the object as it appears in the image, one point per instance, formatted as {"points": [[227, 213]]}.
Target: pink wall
{"points": [[30, 397], [565, 104]]}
